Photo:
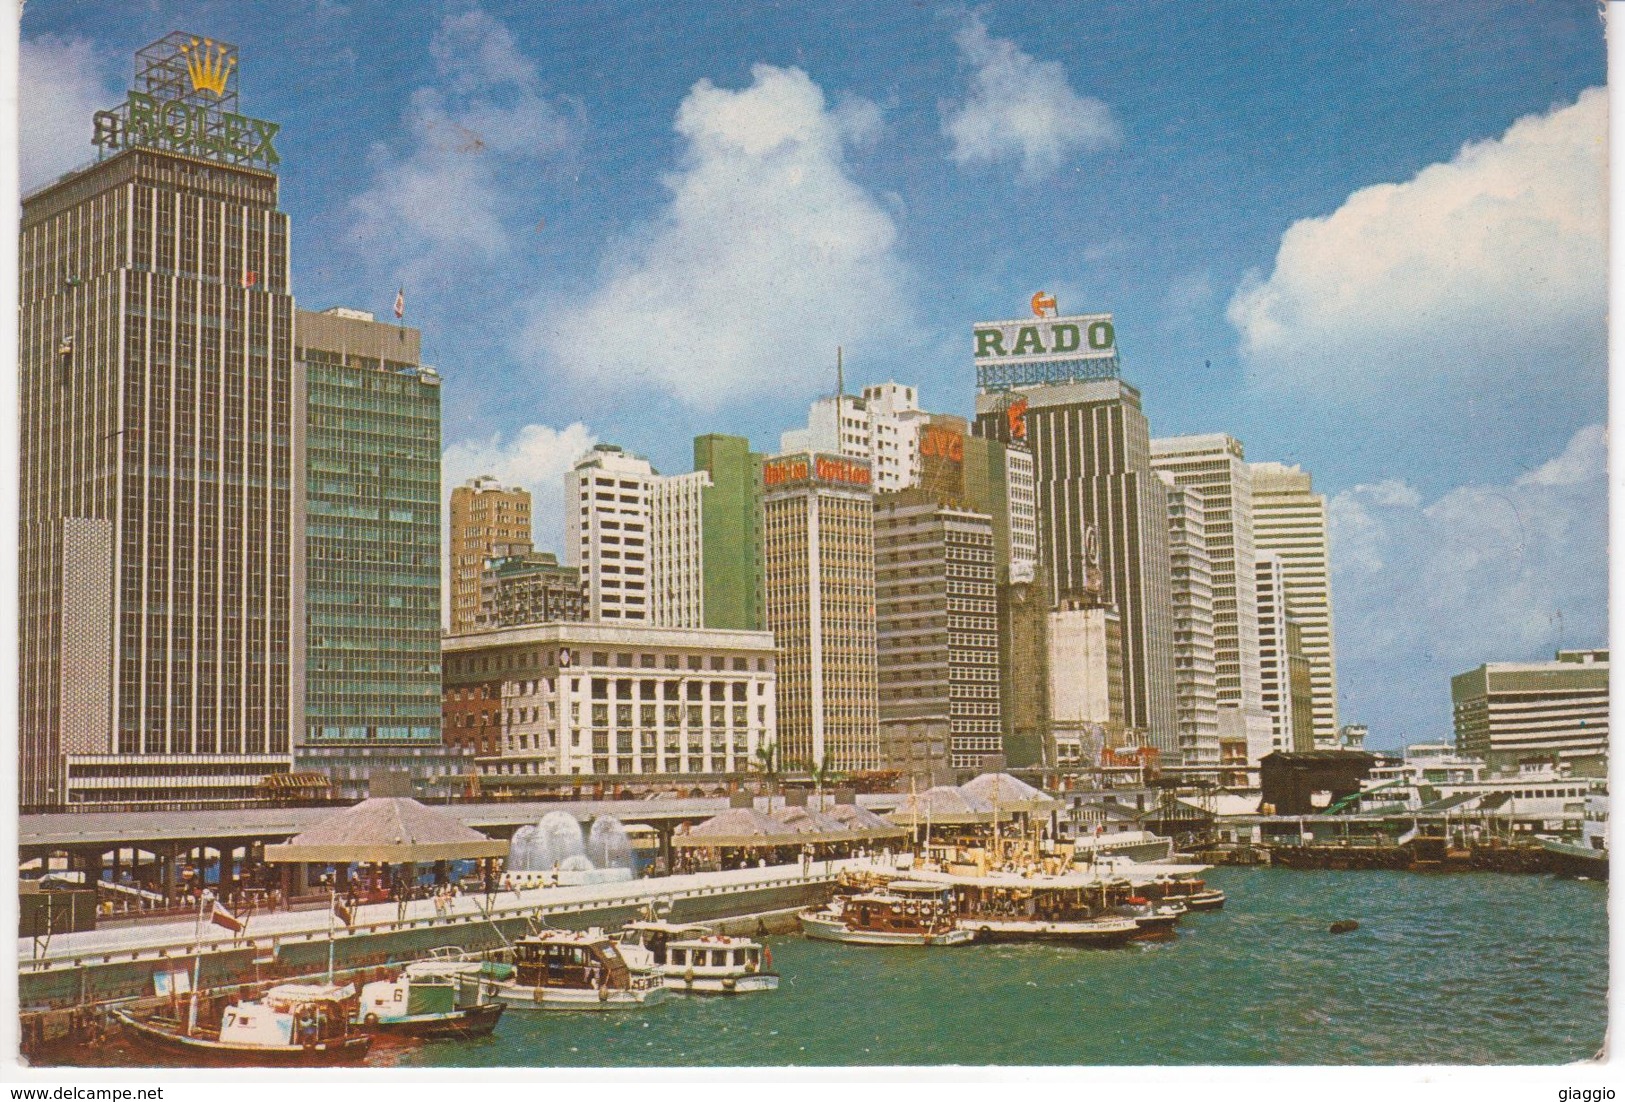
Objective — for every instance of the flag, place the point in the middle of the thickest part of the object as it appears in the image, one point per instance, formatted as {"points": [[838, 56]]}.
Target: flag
{"points": [[400, 304], [343, 912], [250, 278], [222, 917]]}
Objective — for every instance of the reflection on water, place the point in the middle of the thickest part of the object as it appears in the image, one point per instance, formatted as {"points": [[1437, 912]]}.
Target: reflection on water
{"points": [[1472, 968]]}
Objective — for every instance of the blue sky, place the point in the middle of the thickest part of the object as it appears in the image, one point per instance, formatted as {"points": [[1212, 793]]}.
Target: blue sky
{"points": [[1322, 227]]}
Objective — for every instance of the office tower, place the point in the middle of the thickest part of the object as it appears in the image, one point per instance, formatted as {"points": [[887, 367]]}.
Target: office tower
{"points": [[1289, 519], [1520, 714], [819, 565], [677, 550], [731, 508], [1057, 389], [161, 651], [937, 639], [529, 587], [548, 705], [486, 516], [1300, 684], [1274, 673], [880, 427], [1085, 672], [1196, 689], [1214, 465], [372, 555]]}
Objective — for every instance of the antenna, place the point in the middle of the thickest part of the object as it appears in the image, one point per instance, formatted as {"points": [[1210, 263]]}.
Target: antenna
{"points": [[840, 373]]}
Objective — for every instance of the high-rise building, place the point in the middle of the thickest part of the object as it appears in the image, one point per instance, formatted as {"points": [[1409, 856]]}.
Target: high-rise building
{"points": [[487, 520], [1274, 674], [1053, 383], [819, 603], [1517, 714], [677, 550], [937, 640], [1215, 466], [529, 587], [1196, 689], [372, 553], [1289, 519], [880, 427], [731, 508], [1300, 684], [160, 557]]}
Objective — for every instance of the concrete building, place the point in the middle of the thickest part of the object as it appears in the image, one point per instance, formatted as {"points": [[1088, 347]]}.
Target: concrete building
{"points": [[485, 516], [530, 587], [1300, 687], [1215, 466], [1352, 736], [372, 555], [1101, 512], [625, 701], [880, 427], [1196, 687], [1025, 606], [1274, 676], [1085, 672], [677, 550], [731, 537], [1289, 520], [819, 567], [937, 641], [607, 521], [1522, 714], [160, 572]]}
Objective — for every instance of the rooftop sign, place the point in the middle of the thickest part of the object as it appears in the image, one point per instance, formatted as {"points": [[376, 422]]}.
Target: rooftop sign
{"points": [[1043, 348], [838, 470], [185, 101]]}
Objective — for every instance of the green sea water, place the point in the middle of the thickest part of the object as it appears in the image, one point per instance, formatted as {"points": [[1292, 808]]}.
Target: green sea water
{"points": [[1452, 969]]}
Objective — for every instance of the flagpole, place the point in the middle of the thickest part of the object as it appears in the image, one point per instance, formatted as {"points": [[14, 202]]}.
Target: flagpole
{"points": [[332, 945], [197, 961]]}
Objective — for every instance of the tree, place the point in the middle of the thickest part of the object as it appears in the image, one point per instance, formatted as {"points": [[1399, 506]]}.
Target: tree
{"points": [[767, 754], [822, 774]]}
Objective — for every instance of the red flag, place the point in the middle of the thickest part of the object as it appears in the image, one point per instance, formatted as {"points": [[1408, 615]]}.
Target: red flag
{"points": [[400, 304], [250, 278], [343, 912], [222, 917]]}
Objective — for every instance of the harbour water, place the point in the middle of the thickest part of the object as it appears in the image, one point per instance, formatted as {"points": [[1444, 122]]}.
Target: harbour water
{"points": [[1468, 969]]}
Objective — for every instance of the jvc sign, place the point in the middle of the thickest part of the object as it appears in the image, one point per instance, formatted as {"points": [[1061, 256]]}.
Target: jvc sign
{"points": [[1036, 340]]}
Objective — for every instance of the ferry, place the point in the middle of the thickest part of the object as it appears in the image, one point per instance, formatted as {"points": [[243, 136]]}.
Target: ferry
{"points": [[292, 1025], [574, 970], [693, 958], [904, 912], [431, 999]]}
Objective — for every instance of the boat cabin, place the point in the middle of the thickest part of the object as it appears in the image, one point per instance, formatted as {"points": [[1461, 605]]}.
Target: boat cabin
{"points": [[719, 954], [291, 1014], [904, 906], [570, 959], [657, 936]]}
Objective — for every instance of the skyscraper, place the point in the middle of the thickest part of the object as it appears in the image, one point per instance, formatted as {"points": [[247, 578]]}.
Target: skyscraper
{"points": [[1053, 382], [1274, 672], [1215, 467], [880, 427], [819, 565], [160, 587], [731, 508], [1289, 519], [488, 520], [1196, 688]]}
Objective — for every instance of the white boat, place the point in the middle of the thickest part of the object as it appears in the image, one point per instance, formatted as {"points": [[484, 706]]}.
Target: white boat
{"points": [[692, 958], [430, 998], [574, 970], [905, 912], [292, 1024]]}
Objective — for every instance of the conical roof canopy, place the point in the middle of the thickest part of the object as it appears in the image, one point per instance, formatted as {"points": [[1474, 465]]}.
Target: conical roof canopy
{"points": [[1007, 793], [943, 804], [394, 830], [739, 826], [863, 823]]}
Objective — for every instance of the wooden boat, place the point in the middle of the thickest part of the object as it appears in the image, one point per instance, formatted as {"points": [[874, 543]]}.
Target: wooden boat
{"points": [[905, 912], [574, 970], [293, 1025], [431, 999], [1153, 919], [692, 958], [1191, 891]]}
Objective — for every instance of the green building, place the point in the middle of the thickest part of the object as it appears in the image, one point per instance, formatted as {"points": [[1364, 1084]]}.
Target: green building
{"points": [[372, 555], [731, 531]]}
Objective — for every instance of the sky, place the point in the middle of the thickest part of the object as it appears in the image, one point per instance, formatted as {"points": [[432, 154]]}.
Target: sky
{"points": [[1367, 239]]}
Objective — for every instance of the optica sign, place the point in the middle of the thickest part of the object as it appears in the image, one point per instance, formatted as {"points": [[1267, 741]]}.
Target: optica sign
{"points": [[1082, 337], [821, 468]]}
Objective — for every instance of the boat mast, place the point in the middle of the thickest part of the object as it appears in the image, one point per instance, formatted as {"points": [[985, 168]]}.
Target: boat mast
{"points": [[197, 960], [332, 945]]}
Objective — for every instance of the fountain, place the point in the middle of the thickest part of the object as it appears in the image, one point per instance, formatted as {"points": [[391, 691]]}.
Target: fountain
{"points": [[555, 851]]}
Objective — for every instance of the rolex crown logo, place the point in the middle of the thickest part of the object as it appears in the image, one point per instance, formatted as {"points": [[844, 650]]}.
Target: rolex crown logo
{"points": [[209, 65]]}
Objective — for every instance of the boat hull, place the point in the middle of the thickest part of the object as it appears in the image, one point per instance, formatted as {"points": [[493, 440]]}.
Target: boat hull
{"points": [[517, 997], [723, 985], [1570, 860], [824, 929], [1091, 935], [475, 1021], [1203, 901], [202, 1050]]}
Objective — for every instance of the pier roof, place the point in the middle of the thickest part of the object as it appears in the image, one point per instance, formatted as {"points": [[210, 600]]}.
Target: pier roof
{"points": [[392, 830]]}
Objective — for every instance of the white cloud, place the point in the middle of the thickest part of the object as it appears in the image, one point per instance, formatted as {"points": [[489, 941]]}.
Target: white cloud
{"points": [[1424, 591], [61, 83], [1488, 269], [445, 203], [766, 257], [1021, 110]]}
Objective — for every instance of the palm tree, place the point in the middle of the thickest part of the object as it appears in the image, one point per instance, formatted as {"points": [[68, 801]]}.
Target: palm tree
{"points": [[767, 754], [822, 774]]}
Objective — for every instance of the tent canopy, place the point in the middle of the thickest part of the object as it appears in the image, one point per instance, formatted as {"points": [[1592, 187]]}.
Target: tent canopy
{"points": [[943, 804], [393, 830], [1007, 793]]}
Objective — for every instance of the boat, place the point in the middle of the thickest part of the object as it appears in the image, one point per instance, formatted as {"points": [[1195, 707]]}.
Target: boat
{"points": [[574, 970], [1153, 919], [693, 958], [904, 912], [291, 1025], [432, 999], [1068, 908], [1588, 858], [1191, 891]]}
